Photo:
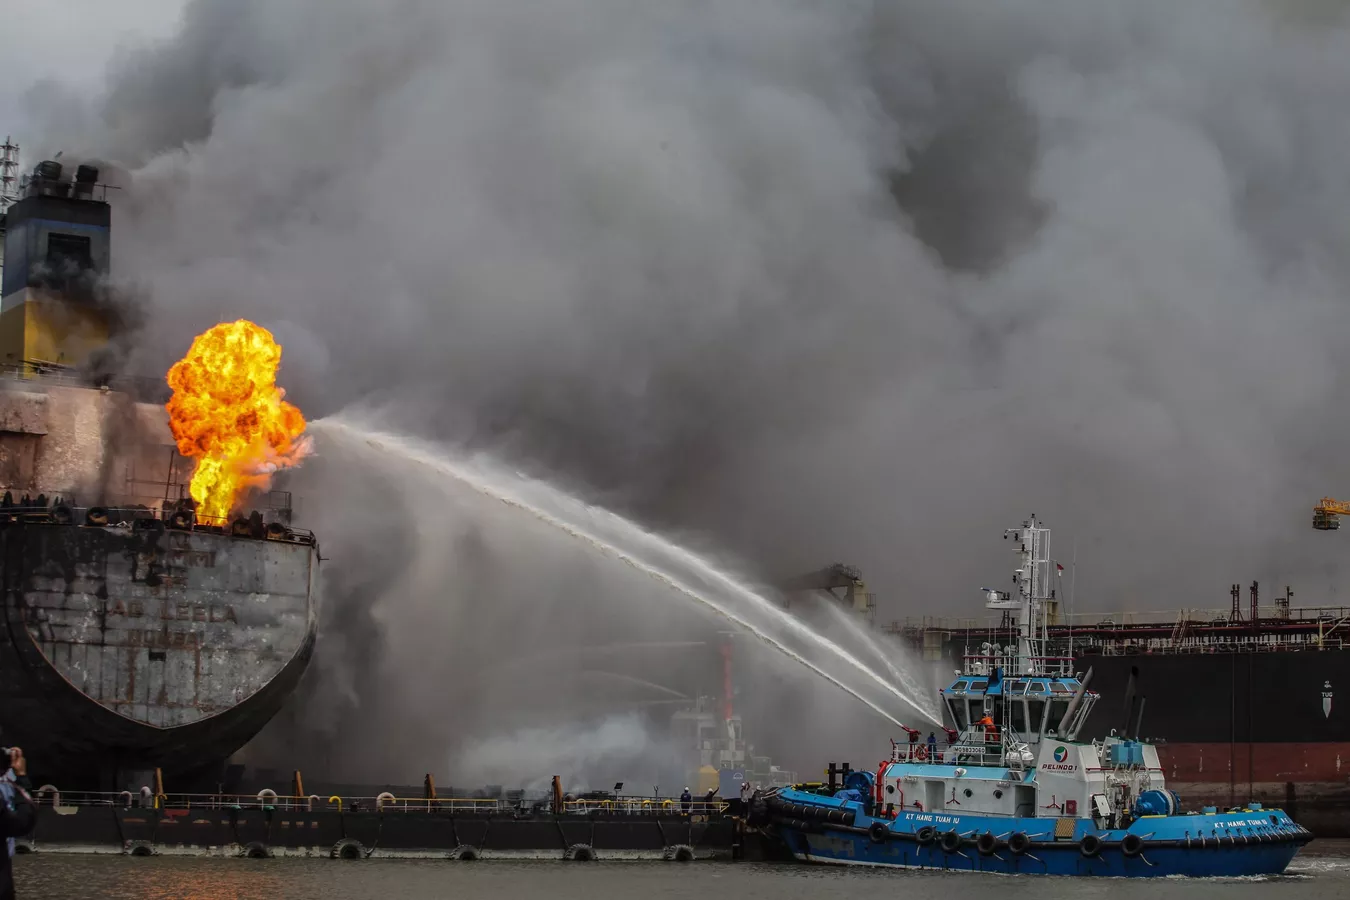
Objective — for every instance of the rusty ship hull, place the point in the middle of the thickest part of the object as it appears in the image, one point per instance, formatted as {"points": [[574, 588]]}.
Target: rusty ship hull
{"points": [[134, 646]]}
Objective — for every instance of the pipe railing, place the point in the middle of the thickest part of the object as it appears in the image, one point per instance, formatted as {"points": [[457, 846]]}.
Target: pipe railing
{"points": [[385, 803]]}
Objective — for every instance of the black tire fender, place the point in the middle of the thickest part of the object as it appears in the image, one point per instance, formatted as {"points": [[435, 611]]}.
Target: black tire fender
{"points": [[348, 849], [257, 850], [1090, 845], [927, 834], [680, 853], [951, 841], [580, 853], [986, 844], [1132, 845], [1019, 843], [877, 832]]}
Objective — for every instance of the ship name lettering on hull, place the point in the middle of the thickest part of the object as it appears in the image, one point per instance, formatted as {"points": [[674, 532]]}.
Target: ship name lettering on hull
{"points": [[165, 639]]}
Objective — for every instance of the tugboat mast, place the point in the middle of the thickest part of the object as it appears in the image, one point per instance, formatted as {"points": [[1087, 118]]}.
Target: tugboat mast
{"points": [[1029, 600]]}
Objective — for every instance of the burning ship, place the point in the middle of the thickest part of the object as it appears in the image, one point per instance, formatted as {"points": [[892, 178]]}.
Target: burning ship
{"points": [[151, 619]]}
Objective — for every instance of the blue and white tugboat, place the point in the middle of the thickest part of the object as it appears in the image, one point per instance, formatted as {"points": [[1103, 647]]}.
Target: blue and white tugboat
{"points": [[1015, 789]]}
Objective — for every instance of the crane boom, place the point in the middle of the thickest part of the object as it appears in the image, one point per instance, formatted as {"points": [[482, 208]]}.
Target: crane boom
{"points": [[1327, 513]]}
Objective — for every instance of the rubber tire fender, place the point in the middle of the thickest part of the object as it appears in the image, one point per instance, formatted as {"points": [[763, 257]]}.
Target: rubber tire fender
{"points": [[951, 841], [1132, 845], [986, 844], [464, 852], [580, 853], [679, 853], [140, 848], [1019, 843], [1090, 846], [877, 833], [257, 850], [926, 835], [348, 849]]}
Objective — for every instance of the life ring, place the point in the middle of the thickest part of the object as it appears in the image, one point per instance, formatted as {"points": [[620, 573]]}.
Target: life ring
{"points": [[62, 514], [48, 789], [926, 834], [181, 520], [878, 832], [257, 850], [951, 841], [1019, 843], [679, 853], [267, 794], [1090, 845], [96, 516], [921, 754], [384, 798], [464, 852], [986, 844], [580, 853], [1132, 845], [348, 849]]}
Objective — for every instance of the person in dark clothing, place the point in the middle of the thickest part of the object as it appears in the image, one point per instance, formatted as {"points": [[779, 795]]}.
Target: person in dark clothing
{"points": [[18, 815], [932, 747], [685, 800]]}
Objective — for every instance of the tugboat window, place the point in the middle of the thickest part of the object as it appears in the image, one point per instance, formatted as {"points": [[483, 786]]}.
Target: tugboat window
{"points": [[1019, 715], [1036, 711]]}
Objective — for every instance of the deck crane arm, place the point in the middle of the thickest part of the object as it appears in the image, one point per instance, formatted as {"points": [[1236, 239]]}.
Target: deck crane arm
{"points": [[1327, 513]]}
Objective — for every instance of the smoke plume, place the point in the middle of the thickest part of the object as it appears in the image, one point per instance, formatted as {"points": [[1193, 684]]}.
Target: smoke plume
{"points": [[866, 281]]}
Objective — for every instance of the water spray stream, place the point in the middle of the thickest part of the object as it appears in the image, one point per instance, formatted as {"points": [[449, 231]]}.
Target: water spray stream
{"points": [[855, 630], [381, 444]]}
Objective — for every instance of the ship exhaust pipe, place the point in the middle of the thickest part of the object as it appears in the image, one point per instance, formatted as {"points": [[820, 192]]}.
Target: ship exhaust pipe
{"points": [[1129, 700], [1139, 719], [1063, 727]]}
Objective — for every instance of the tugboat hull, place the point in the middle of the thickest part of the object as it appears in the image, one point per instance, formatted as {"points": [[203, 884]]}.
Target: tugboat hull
{"points": [[1246, 843]]}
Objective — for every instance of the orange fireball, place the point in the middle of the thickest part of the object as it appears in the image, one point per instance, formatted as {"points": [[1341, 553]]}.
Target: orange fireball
{"points": [[228, 414]]}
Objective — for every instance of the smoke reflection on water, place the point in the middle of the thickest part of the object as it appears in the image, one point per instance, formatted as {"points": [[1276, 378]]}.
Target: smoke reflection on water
{"points": [[460, 587]]}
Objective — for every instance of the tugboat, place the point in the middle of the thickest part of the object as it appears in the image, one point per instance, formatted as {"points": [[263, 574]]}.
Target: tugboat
{"points": [[1014, 789]]}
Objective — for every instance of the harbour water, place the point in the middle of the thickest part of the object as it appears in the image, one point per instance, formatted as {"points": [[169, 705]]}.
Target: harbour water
{"points": [[1321, 872]]}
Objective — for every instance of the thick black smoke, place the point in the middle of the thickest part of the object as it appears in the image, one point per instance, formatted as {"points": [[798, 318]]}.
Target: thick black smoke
{"points": [[865, 281]]}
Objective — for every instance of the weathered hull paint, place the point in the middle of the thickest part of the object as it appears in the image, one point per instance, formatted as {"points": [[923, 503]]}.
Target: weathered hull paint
{"points": [[135, 648], [394, 833]]}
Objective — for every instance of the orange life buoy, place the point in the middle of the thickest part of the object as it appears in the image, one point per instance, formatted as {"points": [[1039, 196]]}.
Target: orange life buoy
{"points": [[921, 754]]}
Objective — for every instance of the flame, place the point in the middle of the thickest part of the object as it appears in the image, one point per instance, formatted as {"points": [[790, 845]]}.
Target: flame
{"points": [[228, 414]]}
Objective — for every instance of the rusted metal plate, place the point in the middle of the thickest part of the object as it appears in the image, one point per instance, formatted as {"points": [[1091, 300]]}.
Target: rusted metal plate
{"points": [[166, 628]]}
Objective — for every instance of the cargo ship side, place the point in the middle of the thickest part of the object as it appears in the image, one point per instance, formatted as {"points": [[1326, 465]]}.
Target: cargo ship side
{"points": [[1242, 701], [136, 635]]}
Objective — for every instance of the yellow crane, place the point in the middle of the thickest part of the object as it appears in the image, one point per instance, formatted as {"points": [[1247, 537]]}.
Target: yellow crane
{"points": [[1327, 513]]}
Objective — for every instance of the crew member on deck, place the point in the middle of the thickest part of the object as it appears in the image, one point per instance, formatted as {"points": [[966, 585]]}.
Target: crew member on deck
{"points": [[990, 730], [932, 747], [685, 800]]}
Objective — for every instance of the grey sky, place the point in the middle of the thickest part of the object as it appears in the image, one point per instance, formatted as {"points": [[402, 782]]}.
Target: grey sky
{"points": [[70, 42]]}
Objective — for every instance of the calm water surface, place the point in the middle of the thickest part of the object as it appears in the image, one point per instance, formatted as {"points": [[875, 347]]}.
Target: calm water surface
{"points": [[1321, 872]]}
